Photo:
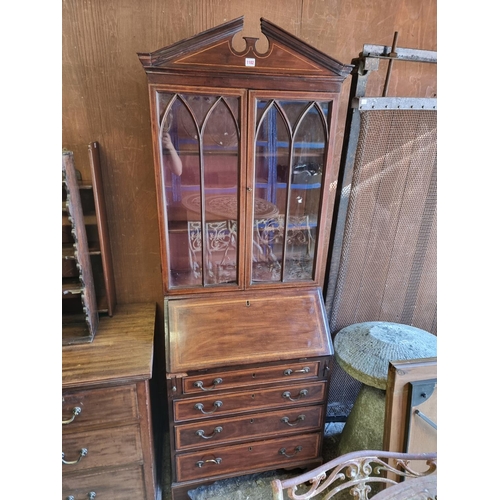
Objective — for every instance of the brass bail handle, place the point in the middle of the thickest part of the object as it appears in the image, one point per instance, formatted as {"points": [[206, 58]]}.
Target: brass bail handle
{"points": [[76, 411], [91, 495], [199, 406], [83, 453], [199, 384], [289, 371], [295, 451], [299, 419], [216, 461], [288, 395], [201, 432]]}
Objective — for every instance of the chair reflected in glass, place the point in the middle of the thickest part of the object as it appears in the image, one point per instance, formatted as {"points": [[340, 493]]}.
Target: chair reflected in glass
{"points": [[221, 238], [270, 248]]}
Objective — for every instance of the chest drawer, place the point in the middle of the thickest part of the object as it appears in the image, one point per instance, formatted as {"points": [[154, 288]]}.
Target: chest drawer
{"points": [[104, 447], [248, 401], [109, 485], [285, 452], [197, 384], [99, 406], [255, 426]]}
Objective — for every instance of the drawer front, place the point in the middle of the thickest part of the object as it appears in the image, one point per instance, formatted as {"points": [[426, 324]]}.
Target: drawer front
{"points": [[97, 406], [109, 485], [198, 384], [255, 426], [104, 447], [285, 452], [248, 401]]}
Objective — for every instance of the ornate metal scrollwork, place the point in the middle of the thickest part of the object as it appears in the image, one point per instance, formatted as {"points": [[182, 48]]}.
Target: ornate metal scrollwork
{"points": [[353, 472]]}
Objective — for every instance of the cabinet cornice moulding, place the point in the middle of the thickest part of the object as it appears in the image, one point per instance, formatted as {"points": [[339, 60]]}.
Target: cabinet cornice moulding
{"points": [[212, 50]]}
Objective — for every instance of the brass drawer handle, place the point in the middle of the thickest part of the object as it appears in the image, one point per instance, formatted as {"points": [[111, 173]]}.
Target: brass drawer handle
{"points": [[199, 384], [76, 411], [287, 395], [83, 453], [297, 450], [289, 371], [90, 495], [201, 433], [201, 462], [199, 406], [299, 419]]}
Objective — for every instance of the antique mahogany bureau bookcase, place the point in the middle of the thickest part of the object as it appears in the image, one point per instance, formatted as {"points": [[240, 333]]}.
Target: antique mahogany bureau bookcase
{"points": [[243, 148]]}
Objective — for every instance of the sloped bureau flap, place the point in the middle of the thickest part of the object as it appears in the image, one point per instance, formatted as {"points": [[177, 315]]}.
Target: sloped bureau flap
{"points": [[245, 327]]}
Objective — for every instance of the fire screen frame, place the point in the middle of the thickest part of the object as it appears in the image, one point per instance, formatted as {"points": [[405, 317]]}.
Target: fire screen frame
{"points": [[343, 388]]}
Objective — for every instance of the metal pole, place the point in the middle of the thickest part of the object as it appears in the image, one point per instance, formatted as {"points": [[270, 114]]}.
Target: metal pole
{"points": [[392, 55]]}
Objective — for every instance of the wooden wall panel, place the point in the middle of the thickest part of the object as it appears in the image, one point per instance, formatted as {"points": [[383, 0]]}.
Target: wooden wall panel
{"points": [[105, 99], [340, 28]]}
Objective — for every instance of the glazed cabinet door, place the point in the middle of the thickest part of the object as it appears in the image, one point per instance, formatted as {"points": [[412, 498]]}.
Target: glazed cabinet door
{"points": [[290, 169], [199, 151], [230, 162]]}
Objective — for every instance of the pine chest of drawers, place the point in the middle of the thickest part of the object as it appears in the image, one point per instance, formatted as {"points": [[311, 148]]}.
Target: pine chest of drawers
{"points": [[107, 436], [247, 383]]}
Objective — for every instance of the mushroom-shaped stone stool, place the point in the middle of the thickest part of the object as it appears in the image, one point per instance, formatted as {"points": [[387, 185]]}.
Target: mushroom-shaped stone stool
{"points": [[364, 351]]}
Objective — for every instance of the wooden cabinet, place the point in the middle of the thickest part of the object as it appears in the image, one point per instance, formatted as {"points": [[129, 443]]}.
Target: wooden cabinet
{"points": [[245, 393], [243, 146], [107, 436]]}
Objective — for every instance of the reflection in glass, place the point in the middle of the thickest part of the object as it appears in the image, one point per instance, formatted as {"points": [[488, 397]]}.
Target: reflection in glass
{"points": [[199, 138], [290, 149]]}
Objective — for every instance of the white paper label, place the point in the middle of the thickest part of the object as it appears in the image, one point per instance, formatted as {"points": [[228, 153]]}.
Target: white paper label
{"points": [[249, 61]]}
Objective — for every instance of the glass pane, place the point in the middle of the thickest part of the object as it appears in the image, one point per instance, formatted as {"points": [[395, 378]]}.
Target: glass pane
{"points": [[200, 159], [307, 168], [181, 173], [290, 150], [220, 142], [272, 159]]}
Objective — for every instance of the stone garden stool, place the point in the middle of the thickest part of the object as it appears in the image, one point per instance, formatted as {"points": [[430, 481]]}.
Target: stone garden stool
{"points": [[364, 351]]}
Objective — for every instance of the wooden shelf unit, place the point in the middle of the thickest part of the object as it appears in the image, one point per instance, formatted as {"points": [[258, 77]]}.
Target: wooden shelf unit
{"points": [[88, 288]]}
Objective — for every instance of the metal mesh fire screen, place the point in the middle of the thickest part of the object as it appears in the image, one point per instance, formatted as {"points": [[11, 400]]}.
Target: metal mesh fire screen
{"points": [[384, 268]]}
